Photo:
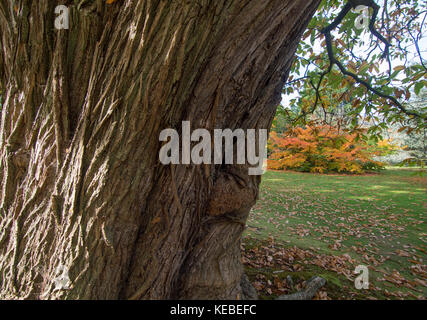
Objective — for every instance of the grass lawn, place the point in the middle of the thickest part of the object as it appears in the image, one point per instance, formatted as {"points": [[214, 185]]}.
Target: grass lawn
{"points": [[308, 224]]}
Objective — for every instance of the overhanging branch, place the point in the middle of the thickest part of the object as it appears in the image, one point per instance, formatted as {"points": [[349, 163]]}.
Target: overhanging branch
{"points": [[334, 61]]}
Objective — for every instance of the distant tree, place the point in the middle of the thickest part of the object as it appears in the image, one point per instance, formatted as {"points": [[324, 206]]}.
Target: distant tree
{"points": [[324, 149], [415, 137]]}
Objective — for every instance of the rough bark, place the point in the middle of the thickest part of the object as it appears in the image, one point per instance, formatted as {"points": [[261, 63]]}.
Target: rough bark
{"points": [[82, 185]]}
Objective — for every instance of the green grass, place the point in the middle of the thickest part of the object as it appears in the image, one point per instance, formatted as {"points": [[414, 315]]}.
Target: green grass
{"points": [[378, 220]]}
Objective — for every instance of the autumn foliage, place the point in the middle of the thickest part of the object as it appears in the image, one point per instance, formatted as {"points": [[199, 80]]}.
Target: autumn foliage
{"points": [[322, 149]]}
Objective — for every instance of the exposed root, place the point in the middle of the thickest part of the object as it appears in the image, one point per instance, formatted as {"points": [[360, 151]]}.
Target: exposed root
{"points": [[313, 285]]}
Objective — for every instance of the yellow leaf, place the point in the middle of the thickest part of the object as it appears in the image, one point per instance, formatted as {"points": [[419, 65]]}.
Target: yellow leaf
{"points": [[398, 68]]}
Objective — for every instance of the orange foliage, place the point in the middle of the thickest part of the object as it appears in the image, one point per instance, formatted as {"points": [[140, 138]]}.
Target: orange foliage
{"points": [[320, 149]]}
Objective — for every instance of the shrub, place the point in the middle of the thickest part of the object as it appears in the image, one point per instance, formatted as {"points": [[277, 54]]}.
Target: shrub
{"points": [[322, 149]]}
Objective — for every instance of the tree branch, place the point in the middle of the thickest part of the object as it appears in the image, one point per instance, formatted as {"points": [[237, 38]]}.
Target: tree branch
{"points": [[334, 61]]}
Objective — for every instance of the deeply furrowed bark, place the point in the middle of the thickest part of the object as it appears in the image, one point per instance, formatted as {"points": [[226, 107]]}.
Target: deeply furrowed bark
{"points": [[82, 185]]}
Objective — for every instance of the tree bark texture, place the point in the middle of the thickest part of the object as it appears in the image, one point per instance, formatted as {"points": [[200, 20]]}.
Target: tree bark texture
{"points": [[81, 182]]}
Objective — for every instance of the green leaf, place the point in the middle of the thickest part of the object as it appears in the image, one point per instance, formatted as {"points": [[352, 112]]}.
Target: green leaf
{"points": [[418, 87]]}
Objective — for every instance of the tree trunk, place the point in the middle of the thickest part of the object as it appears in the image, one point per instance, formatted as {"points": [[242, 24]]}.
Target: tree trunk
{"points": [[82, 185]]}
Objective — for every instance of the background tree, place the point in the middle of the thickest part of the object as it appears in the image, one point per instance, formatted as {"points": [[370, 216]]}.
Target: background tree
{"points": [[414, 137], [324, 149]]}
